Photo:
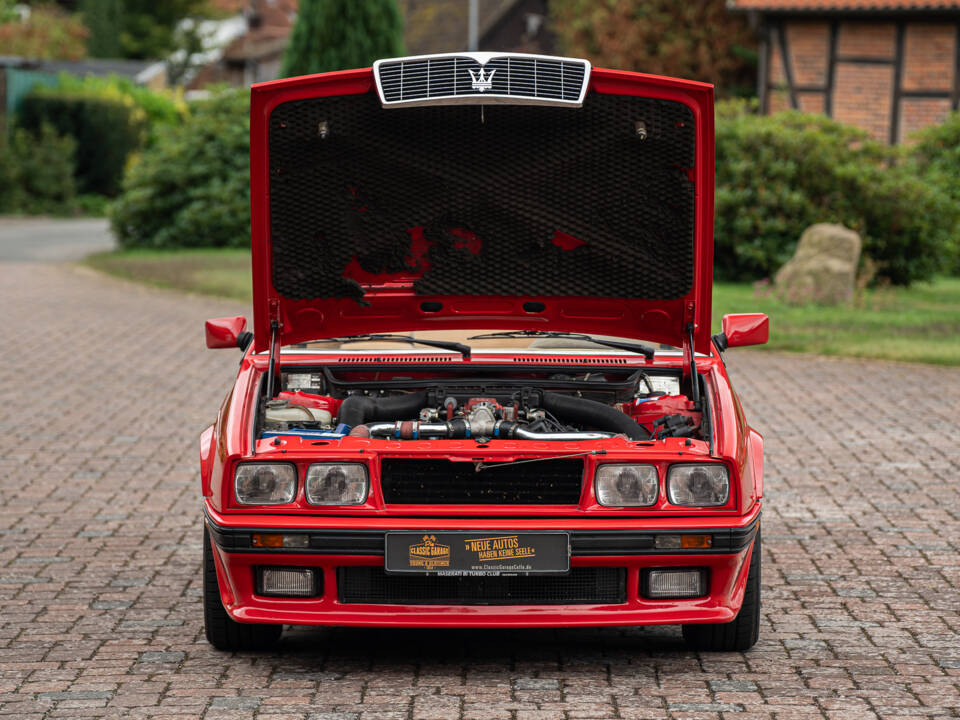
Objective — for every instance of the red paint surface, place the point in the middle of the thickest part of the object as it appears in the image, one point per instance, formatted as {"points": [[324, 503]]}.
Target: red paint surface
{"points": [[223, 332], [746, 329]]}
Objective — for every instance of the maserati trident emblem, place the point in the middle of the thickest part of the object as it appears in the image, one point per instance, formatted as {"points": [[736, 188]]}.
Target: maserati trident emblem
{"points": [[481, 82]]}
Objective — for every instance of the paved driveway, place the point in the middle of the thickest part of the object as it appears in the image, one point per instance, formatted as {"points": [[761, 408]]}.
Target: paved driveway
{"points": [[52, 239], [104, 387]]}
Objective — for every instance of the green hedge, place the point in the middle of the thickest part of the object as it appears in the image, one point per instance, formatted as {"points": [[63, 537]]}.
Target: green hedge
{"points": [[191, 187], [36, 172], [106, 130], [778, 174], [162, 107]]}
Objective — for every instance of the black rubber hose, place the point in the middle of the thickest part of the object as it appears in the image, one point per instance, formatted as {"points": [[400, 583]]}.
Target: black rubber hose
{"points": [[590, 413], [359, 409]]}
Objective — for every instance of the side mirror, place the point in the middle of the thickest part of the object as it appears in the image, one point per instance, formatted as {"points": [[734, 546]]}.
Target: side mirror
{"points": [[743, 329], [227, 333]]}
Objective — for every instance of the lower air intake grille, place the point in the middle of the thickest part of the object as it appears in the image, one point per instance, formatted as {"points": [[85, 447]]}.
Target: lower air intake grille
{"points": [[416, 482], [582, 586]]}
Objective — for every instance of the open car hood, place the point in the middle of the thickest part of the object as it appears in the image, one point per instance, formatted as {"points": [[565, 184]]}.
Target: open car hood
{"points": [[467, 191]]}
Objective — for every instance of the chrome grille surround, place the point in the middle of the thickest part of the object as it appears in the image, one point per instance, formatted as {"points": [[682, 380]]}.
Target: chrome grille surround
{"points": [[482, 78]]}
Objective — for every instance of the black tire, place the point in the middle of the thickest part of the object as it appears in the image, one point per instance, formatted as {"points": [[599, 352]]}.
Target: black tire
{"points": [[223, 632], [741, 634]]}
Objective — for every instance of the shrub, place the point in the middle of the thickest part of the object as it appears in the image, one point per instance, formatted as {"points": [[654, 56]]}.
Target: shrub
{"points": [[191, 187], [776, 175], [936, 157], [106, 130], [36, 172], [162, 107]]}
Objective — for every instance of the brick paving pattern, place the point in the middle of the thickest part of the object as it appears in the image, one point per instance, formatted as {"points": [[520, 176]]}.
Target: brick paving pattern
{"points": [[105, 386]]}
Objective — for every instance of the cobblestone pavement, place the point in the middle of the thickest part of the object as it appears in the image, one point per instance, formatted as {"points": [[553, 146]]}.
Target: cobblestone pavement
{"points": [[105, 386]]}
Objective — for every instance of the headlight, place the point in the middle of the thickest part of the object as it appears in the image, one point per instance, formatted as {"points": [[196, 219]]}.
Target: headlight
{"points": [[626, 485], [265, 484], [340, 484], [700, 485]]}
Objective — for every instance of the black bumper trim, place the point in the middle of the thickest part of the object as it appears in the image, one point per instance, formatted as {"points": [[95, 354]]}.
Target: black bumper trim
{"points": [[583, 543]]}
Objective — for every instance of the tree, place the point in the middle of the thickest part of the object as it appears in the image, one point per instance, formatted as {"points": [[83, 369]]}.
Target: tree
{"points": [[341, 34], [138, 29], [104, 19], [698, 39], [43, 31]]}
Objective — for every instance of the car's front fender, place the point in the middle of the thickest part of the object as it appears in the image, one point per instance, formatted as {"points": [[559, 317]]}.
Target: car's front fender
{"points": [[207, 449]]}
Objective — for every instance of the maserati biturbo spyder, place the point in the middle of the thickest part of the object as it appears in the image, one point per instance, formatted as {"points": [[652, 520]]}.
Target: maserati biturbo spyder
{"points": [[481, 388]]}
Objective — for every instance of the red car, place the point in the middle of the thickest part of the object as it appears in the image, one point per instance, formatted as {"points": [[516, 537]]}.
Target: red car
{"points": [[481, 388]]}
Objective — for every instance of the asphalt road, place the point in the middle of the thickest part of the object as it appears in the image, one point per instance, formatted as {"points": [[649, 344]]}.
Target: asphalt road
{"points": [[52, 240], [105, 386]]}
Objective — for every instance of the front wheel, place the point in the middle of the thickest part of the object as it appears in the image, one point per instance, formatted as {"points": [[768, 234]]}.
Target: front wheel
{"points": [[222, 631], [740, 634]]}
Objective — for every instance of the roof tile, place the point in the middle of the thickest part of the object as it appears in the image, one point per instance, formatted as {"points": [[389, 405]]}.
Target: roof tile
{"points": [[843, 5]]}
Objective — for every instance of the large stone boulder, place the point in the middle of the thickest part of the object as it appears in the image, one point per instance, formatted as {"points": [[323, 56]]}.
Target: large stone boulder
{"points": [[823, 270]]}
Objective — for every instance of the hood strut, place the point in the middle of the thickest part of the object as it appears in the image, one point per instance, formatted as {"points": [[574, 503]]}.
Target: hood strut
{"points": [[694, 378], [273, 369]]}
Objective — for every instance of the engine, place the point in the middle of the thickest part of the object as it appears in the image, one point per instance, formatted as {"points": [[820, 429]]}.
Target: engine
{"points": [[529, 413], [479, 418]]}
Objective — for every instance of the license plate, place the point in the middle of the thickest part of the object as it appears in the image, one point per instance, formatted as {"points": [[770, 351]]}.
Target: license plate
{"points": [[460, 553]]}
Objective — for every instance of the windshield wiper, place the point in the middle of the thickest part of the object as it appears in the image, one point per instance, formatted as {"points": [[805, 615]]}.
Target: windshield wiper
{"points": [[442, 344], [647, 352]]}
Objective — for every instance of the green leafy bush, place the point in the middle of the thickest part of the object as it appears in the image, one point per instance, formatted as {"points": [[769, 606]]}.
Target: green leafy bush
{"points": [[106, 129], [778, 174], [936, 158], [191, 187], [36, 172], [162, 107]]}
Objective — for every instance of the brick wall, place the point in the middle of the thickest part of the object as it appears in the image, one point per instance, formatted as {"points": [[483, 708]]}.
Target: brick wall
{"points": [[860, 90]]}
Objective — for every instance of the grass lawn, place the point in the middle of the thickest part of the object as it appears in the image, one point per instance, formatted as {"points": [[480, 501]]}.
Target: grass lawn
{"points": [[225, 273], [917, 324]]}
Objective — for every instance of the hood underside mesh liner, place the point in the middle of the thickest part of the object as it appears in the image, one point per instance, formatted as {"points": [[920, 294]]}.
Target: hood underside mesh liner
{"points": [[503, 200]]}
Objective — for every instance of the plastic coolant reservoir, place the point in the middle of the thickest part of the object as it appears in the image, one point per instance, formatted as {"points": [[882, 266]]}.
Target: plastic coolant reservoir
{"points": [[283, 411]]}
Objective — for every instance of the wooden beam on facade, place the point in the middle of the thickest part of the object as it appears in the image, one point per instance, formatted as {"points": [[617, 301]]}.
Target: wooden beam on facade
{"points": [[787, 65], [763, 67], [941, 94], [897, 81], [955, 99], [831, 69]]}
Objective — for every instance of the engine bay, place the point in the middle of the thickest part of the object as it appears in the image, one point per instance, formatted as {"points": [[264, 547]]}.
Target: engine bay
{"points": [[537, 404]]}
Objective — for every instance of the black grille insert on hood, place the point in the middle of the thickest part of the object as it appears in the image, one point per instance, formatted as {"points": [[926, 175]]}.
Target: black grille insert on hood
{"points": [[500, 200]]}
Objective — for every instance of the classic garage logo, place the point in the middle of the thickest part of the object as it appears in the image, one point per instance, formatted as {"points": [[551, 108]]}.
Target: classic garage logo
{"points": [[430, 554], [506, 547]]}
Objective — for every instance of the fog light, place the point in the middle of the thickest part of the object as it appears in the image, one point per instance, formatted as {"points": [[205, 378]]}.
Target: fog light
{"points": [[289, 582], [675, 583]]}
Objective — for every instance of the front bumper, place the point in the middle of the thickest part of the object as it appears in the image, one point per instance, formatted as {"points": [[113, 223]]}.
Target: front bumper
{"points": [[334, 548]]}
